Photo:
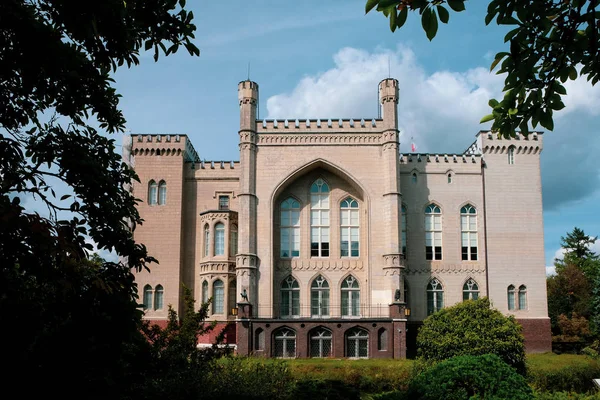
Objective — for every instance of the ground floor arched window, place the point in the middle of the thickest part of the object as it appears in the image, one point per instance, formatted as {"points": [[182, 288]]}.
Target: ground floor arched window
{"points": [[320, 343], [285, 343], [357, 343]]}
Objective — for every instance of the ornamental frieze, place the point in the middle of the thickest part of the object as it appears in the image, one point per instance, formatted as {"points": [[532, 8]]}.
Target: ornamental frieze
{"points": [[314, 265], [217, 266]]}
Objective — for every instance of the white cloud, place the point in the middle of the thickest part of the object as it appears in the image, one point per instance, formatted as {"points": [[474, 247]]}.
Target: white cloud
{"points": [[442, 110], [550, 270]]}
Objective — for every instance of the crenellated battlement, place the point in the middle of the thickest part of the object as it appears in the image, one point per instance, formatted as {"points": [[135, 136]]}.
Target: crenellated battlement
{"points": [[439, 158], [163, 145], [489, 142], [204, 164], [320, 125]]}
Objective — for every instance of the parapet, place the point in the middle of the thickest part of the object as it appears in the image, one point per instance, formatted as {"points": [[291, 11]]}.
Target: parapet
{"points": [[163, 145], [489, 142], [247, 92], [336, 125], [439, 158]]}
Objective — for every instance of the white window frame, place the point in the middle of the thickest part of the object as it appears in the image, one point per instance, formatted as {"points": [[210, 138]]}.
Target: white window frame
{"points": [[319, 297], [218, 297], [468, 233], [320, 239], [318, 337], [435, 296], [470, 290], [433, 232], [284, 335], [162, 193], [349, 228], [350, 295], [511, 297], [219, 239], [511, 155], [152, 192], [206, 240], [159, 293], [353, 339], [290, 298], [522, 297], [289, 229]]}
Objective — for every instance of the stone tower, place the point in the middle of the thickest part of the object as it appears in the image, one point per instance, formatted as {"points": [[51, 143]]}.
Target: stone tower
{"points": [[246, 259]]}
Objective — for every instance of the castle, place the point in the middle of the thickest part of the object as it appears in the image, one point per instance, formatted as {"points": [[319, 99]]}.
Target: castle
{"points": [[326, 239]]}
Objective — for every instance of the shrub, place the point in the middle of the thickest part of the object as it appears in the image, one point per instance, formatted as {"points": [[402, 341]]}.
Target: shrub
{"points": [[328, 389], [466, 377], [472, 328], [555, 373], [566, 396]]}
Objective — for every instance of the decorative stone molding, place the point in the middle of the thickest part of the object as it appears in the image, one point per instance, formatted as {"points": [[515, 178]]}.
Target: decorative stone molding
{"points": [[448, 269], [318, 138], [393, 260], [439, 158], [319, 265], [208, 267], [210, 216], [503, 149], [246, 261]]}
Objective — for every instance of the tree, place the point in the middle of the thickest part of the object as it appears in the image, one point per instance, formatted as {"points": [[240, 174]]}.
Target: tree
{"points": [[569, 291], [577, 246], [471, 328], [62, 316], [550, 42], [470, 377]]}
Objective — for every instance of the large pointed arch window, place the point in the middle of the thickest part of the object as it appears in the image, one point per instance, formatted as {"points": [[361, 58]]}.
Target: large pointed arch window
{"points": [[162, 193], [350, 297], [206, 240], [468, 231], [219, 239], [290, 228], [284, 343], [290, 297], [319, 219], [511, 297], [357, 343], [435, 296], [148, 293], [403, 223], [433, 232], [470, 290], [158, 297], [349, 228], [152, 192], [319, 297], [320, 343], [218, 297]]}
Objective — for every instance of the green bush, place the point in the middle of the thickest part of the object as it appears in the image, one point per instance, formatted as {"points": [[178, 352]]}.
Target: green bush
{"points": [[472, 328], [566, 396], [328, 389], [468, 377], [566, 372]]}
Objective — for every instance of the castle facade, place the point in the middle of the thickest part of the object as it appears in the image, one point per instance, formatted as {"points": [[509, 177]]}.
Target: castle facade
{"points": [[328, 239]]}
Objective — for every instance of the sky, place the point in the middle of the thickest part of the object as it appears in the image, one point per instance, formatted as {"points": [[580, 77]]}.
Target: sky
{"points": [[321, 59]]}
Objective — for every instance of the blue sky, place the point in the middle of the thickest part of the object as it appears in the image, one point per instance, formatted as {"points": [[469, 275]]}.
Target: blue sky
{"points": [[323, 59]]}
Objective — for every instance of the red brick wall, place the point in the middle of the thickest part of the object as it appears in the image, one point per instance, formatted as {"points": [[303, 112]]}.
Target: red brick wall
{"points": [[538, 338]]}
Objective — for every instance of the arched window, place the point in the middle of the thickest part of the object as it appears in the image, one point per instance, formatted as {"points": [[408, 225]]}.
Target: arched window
{"points": [[259, 339], [433, 232], [511, 297], [285, 343], [522, 297], [350, 297], [449, 177], [357, 343], [511, 155], [468, 228], [290, 297], [382, 339], [218, 297], [206, 241], [162, 193], [319, 219], [350, 242], [152, 189], [158, 297], [231, 291], [233, 241], [147, 297], [290, 228], [320, 343], [414, 177], [403, 222], [470, 290], [219, 239], [319, 297], [204, 292], [435, 296]]}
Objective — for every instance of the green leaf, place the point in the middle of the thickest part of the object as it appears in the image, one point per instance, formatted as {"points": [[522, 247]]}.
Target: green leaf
{"points": [[511, 34], [393, 17], [430, 23], [572, 73], [493, 103], [66, 196], [402, 17], [498, 58], [512, 111], [148, 45], [487, 118], [443, 13], [457, 5], [370, 4]]}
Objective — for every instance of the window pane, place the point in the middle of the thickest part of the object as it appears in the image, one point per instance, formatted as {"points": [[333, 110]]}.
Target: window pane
{"points": [[344, 248], [324, 217], [147, 297], [354, 217], [295, 218], [296, 302], [218, 297], [511, 300], [438, 252], [345, 219], [345, 303], [428, 252], [219, 239], [474, 253]]}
